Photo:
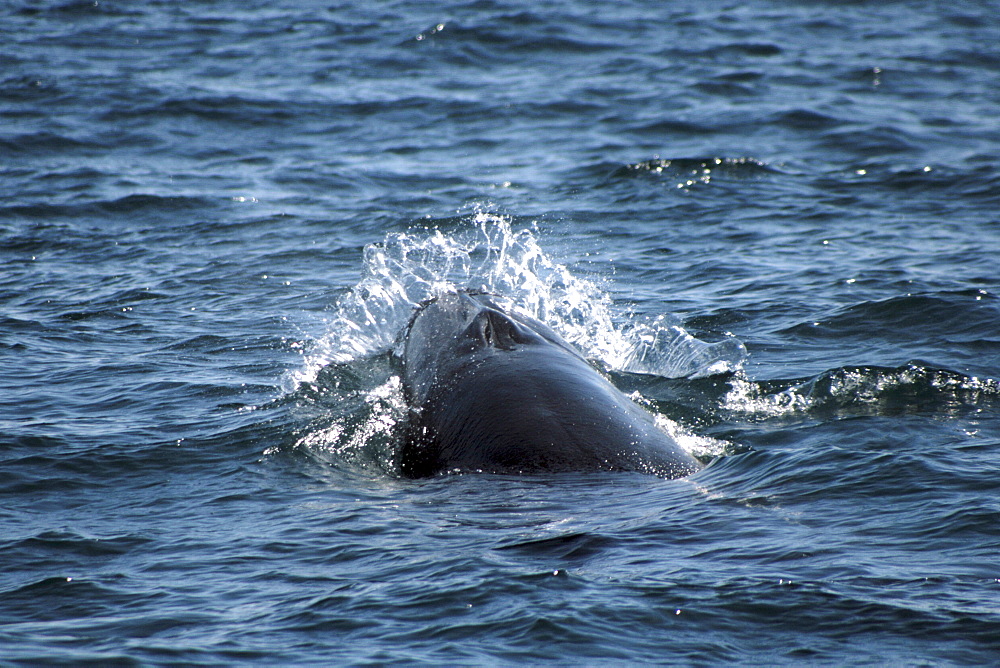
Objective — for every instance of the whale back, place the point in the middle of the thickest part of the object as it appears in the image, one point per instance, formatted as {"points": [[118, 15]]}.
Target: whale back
{"points": [[495, 392]]}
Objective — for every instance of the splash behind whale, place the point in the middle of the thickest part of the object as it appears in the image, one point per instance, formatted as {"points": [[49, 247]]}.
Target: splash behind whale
{"points": [[498, 392]]}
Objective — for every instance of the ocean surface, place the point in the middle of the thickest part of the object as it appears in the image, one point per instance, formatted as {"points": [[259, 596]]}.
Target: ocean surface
{"points": [[775, 224]]}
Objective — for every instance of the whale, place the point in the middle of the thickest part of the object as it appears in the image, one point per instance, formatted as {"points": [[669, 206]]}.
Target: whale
{"points": [[490, 390]]}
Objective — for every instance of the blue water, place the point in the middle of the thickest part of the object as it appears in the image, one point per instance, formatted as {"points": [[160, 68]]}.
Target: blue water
{"points": [[774, 224]]}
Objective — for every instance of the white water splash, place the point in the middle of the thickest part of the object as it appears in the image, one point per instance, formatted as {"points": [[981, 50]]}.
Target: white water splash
{"points": [[662, 347], [408, 268], [746, 396], [700, 446], [364, 441]]}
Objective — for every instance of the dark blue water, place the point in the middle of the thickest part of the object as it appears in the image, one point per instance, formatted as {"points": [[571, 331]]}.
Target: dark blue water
{"points": [[775, 224]]}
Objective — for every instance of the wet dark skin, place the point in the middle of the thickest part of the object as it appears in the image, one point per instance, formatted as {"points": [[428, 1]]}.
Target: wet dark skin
{"points": [[492, 391]]}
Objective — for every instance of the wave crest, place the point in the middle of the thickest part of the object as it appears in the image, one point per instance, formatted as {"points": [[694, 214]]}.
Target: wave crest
{"points": [[883, 390]]}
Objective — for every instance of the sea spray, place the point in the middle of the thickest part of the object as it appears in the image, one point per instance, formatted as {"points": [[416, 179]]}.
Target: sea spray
{"points": [[410, 267]]}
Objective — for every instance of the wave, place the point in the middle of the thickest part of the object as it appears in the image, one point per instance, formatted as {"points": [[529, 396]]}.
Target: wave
{"points": [[912, 387], [46, 142], [134, 204], [687, 172], [969, 314], [55, 543]]}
